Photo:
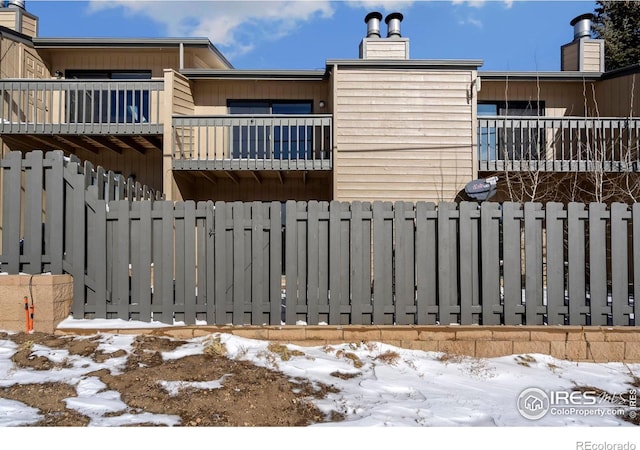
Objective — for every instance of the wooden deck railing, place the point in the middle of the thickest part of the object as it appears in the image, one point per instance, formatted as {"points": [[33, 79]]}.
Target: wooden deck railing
{"points": [[252, 142], [80, 107], [564, 144]]}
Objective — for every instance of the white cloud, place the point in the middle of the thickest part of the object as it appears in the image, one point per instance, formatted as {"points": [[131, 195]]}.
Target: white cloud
{"points": [[234, 26], [471, 21]]}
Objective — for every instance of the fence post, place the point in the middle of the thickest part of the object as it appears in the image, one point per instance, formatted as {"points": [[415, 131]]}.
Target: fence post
{"points": [[33, 187]]}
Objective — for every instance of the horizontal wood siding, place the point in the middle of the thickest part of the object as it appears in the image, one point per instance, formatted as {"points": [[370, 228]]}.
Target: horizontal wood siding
{"points": [[386, 49], [8, 19], [97, 59], [620, 96], [29, 26], [211, 96], [591, 57], [402, 134], [560, 98], [182, 97]]}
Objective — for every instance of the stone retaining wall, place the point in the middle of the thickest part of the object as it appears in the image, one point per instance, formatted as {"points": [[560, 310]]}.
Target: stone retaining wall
{"points": [[574, 343]]}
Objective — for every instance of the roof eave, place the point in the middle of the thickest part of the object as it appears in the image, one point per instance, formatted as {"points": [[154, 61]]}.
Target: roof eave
{"points": [[534, 76], [289, 75]]}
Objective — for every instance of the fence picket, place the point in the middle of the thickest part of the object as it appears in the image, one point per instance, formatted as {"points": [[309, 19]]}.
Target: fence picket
{"points": [[533, 264], [426, 264], [512, 263], [490, 216], [620, 308], [11, 212], [54, 211], [32, 240], [275, 263], [382, 255], [557, 308], [576, 258], [447, 264], [599, 310]]}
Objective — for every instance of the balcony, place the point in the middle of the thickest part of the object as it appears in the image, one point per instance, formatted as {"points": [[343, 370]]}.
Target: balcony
{"points": [[564, 144], [252, 142], [75, 107]]}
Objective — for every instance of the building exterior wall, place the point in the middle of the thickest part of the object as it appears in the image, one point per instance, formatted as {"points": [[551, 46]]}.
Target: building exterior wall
{"points": [[560, 98], [293, 186], [593, 55], [210, 96], [155, 60], [404, 134], [619, 96]]}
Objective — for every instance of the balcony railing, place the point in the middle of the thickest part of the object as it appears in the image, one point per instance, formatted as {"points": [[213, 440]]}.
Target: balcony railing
{"points": [[81, 107], [561, 144], [252, 142]]}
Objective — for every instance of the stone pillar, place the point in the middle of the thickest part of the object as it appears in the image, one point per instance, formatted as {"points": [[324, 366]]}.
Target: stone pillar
{"points": [[52, 299]]}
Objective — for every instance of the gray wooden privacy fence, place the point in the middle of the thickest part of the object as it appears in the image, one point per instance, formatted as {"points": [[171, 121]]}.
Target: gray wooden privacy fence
{"points": [[320, 262]]}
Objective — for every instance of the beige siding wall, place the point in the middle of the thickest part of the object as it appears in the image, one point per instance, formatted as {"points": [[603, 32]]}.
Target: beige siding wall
{"points": [[10, 63], [29, 25], [8, 18], [182, 97], [620, 96], [560, 98], [402, 134], [134, 59], [385, 49], [592, 53]]}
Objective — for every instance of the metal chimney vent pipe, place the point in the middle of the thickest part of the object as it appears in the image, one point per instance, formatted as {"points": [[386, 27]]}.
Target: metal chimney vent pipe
{"points": [[373, 24], [582, 26], [18, 3], [393, 24]]}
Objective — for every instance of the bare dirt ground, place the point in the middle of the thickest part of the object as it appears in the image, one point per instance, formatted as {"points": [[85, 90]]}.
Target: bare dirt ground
{"points": [[249, 396]]}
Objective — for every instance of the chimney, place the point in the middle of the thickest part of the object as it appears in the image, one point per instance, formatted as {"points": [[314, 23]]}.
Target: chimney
{"points": [[373, 24], [392, 47], [393, 24], [582, 26], [16, 4], [583, 54]]}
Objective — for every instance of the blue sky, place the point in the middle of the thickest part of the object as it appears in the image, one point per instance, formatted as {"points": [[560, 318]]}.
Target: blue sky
{"points": [[302, 34]]}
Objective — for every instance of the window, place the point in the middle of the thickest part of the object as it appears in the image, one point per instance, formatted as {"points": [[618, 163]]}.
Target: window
{"points": [[502, 140], [107, 105], [278, 138]]}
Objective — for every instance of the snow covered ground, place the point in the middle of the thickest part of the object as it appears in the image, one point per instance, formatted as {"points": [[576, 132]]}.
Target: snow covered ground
{"points": [[398, 394]]}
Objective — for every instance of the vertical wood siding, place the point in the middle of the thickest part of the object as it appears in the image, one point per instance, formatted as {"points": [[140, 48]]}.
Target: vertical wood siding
{"points": [[112, 59], [560, 98], [211, 95]]}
